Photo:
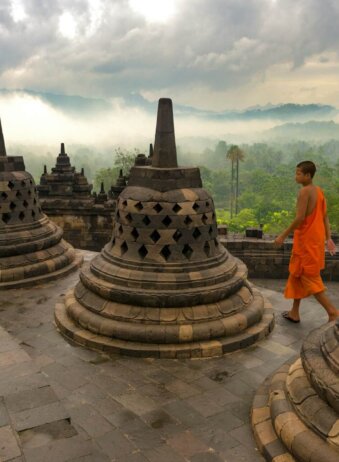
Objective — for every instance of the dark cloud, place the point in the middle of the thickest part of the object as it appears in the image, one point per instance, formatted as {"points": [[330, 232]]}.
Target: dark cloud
{"points": [[219, 44]]}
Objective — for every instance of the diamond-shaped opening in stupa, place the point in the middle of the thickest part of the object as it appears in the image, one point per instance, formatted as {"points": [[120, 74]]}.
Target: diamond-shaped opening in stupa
{"points": [[177, 235], [146, 220], [158, 208], [204, 219], [187, 251], [167, 221], [135, 233], [188, 220], [196, 233], [6, 217], [139, 206], [176, 208], [165, 252], [124, 248], [155, 236], [143, 252]]}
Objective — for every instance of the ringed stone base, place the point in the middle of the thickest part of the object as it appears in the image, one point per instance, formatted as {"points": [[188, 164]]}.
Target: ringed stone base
{"points": [[81, 335], [292, 416], [75, 262]]}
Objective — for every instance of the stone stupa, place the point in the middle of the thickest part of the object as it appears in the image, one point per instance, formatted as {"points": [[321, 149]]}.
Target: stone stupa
{"points": [[64, 182], [295, 415], [164, 286], [67, 199], [31, 246]]}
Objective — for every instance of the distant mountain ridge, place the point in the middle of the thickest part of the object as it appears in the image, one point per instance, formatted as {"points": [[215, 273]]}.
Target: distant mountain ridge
{"points": [[312, 130], [284, 112]]}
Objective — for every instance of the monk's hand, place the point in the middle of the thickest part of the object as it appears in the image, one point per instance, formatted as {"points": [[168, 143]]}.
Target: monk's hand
{"points": [[331, 247], [278, 241]]}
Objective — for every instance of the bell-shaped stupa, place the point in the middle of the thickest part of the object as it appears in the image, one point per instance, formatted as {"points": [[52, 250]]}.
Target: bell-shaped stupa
{"points": [[164, 286], [295, 415], [31, 246]]}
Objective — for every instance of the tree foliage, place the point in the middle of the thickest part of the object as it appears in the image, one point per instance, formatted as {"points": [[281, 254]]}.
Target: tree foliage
{"points": [[267, 188]]}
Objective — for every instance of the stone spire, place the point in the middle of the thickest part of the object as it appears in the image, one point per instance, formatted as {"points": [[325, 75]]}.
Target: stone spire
{"points": [[165, 152], [2, 143], [63, 163]]}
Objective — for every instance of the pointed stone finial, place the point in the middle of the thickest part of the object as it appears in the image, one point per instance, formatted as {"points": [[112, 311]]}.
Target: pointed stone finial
{"points": [[82, 171], [45, 169], [102, 189], [165, 152], [150, 155], [2, 143], [62, 150]]}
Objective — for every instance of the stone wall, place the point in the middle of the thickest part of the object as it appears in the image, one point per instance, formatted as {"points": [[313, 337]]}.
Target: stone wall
{"points": [[263, 260], [85, 228]]}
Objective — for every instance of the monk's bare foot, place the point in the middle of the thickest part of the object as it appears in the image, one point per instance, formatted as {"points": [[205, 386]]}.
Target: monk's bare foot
{"points": [[333, 316], [290, 316]]}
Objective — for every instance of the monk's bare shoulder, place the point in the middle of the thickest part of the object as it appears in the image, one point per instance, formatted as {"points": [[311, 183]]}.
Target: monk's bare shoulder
{"points": [[305, 192]]}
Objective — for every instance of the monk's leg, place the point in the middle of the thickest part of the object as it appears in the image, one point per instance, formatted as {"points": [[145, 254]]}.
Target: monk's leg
{"points": [[294, 312], [325, 302]]}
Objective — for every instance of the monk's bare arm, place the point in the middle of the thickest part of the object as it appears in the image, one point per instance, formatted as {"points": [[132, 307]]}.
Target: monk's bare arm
{"points": [[302, 201], [331, 247], [327, 227]]}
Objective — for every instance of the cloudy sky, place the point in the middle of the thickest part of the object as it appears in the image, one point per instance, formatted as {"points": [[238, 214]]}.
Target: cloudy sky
{"points": [[210, 54]]}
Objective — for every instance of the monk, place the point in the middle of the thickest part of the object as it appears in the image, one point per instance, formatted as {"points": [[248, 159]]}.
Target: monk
{"points": [[311, 229]]}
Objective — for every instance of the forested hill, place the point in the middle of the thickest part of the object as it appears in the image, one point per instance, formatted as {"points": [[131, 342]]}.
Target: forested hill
{"points": [[312, 130]]}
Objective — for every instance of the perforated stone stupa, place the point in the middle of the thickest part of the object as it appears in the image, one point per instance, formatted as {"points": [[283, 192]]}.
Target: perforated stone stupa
{"points": [[295, 413], [31, 246], [164, 285]]}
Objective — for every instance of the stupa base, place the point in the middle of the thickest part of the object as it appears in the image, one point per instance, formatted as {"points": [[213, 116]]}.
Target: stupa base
{"points": [[290, 421], [203, 349], [73, 265]]}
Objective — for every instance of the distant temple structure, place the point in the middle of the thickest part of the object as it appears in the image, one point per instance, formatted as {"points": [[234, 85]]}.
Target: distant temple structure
{"points": [[164, 286], [66, 197], [32, 249]]}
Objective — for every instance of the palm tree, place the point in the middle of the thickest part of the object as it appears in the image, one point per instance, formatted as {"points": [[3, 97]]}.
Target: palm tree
{"points": [[235, 154]]}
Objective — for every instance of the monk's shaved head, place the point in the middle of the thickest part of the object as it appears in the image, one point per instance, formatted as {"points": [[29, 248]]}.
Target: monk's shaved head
{"points": [[307, 166]]}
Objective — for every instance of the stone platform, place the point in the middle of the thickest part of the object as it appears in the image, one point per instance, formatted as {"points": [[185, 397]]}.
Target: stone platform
{"points": [[127, 409]]}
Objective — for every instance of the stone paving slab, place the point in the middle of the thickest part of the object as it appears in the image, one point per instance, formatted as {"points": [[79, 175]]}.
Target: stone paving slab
{"points": [[135, 409]]}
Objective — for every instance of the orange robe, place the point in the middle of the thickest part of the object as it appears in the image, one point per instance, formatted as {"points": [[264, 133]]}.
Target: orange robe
{"points": [[308, 254]]}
